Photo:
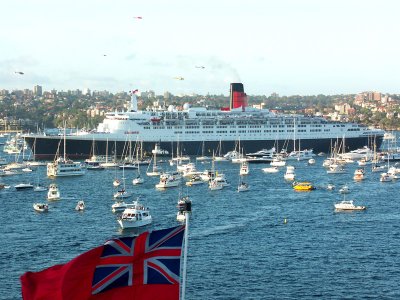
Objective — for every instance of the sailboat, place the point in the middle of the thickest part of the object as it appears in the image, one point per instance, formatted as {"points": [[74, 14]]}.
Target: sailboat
{"points": [[38, 187], [156, 171], [139, 179], [34, 162], [203, 157], [122, 193], [62, 167], [93, 163], [219, 156], [107, 163]]}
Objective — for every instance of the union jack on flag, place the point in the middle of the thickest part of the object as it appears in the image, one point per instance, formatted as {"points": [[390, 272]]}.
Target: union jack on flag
{"points": [[150, 258]]}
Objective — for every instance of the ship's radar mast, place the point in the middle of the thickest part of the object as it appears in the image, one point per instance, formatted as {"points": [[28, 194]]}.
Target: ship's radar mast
{"points": [[134, 102]]}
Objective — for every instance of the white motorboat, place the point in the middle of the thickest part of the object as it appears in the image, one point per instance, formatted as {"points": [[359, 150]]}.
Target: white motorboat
{"points": [[195, 180], [348, 205], [215, 185], [137, 180], [359, 174], [221, 179], [385, 177], [360, 153], [167, 181], [53, 193], [23, 186], [270, 170], [344, 190], [135, 216], [39, 188], [290, 174], [311, 161], [184, 207], [158, 151], [122, 194], [80, 206], [244, 168], [301, 154], [377, 168], [330, 187], [243, 187], [40, 207], [336, 169]]}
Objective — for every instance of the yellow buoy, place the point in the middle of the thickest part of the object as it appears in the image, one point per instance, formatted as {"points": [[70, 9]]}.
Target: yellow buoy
{"points": [[284, 221]]}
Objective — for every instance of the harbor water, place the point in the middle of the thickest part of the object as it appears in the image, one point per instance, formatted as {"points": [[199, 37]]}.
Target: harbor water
{"points": [[270, 242]]}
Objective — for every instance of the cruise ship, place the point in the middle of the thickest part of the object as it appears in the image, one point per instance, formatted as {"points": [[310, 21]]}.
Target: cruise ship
{"points": [[190, 129]]}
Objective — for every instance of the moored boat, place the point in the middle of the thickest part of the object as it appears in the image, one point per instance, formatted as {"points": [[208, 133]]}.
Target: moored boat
{"points": [[348, 205], [135, 216], [53, 193], [40, 207]]}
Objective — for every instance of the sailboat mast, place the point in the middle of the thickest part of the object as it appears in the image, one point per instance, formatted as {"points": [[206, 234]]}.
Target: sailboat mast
{"points": [[65, 144]]}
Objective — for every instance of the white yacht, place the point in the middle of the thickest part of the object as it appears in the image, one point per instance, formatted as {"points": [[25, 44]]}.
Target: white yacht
{"points": [[361, 153], [135, 216]]}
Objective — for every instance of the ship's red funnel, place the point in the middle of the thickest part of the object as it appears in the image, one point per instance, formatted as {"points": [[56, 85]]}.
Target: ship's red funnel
{"points": [[238, 96]]}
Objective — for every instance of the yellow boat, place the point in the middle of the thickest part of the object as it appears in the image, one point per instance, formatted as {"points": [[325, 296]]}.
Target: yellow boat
{"points": [[303, 186]]}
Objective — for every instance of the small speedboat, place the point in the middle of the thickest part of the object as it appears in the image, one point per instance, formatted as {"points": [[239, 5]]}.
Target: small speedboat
{"points": [[40, 207], [116, 182], [270, 170], [311, 161], [330, 187], [243, 187], [23, 186], [80, 206], [39, 188], [344, 190]]}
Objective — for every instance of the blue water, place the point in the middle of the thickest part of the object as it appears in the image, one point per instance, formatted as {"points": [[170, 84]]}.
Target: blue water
{"points": [[240, 247]]}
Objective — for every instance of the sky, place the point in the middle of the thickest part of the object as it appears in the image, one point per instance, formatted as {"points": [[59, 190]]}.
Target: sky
{"points": [[290, 47]]}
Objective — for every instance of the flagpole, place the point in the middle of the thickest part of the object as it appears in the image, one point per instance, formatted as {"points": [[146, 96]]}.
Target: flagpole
{"points": [[185, 255]]}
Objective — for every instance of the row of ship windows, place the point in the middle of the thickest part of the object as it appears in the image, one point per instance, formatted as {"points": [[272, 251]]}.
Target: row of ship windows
{"points": [[246, 131], [254, 131], [241, 126]]}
